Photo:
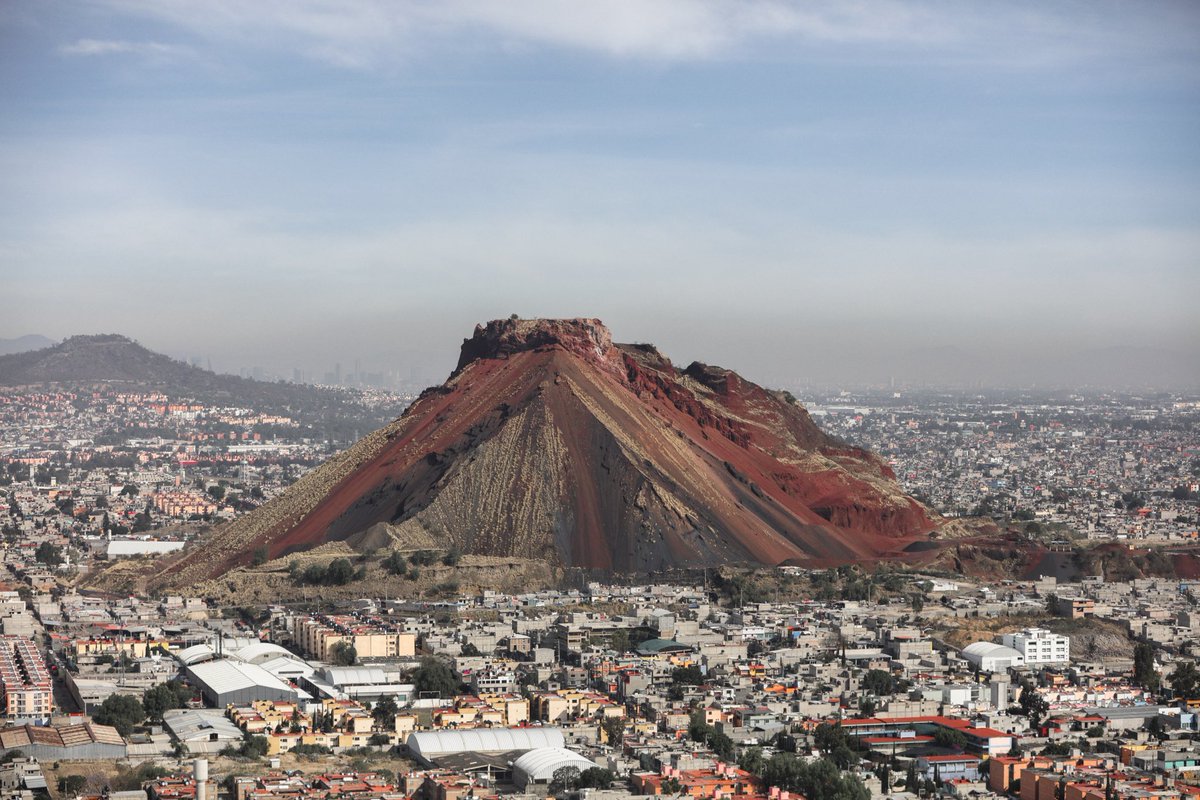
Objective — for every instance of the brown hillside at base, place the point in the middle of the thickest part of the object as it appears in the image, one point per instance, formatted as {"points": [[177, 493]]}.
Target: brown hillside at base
{"points": [[549, 441]]}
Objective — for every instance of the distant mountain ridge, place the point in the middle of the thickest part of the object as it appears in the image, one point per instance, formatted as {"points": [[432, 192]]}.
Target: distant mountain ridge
{"points": [[21, 344], [112, 359]]}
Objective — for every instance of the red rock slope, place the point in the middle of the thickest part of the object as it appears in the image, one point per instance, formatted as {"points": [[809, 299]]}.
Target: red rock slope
{"points": [[549, 441]]}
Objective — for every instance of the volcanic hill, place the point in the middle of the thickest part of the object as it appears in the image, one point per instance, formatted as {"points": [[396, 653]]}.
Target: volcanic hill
{"points": [[549, 441], [118, 361]]}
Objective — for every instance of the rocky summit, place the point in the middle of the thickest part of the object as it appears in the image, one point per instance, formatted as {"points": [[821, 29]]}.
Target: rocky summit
{"points": [[549, 441]]}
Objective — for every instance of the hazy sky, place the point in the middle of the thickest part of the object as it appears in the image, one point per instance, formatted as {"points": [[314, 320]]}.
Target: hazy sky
{"points": [[786, 188]]}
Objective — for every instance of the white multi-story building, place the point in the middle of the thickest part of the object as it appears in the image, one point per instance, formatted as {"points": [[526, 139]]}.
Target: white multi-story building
{"points": [[1040, 646]]}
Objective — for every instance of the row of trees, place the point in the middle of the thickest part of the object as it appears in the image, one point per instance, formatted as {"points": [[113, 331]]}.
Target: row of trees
{"points": [[396, 564], [1184, 679], [125, 712], [338, 572]]}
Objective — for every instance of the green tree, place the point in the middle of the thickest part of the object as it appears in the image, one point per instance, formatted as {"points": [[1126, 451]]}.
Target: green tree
{"points": [[950, 739], [594, 778], [688, 676], [385, 712], [121, 711], [452, 557], [395, 564], [752, 760], [721, 744], [1185, 680], [165, 697], [698, 729], [339, 572], [423, 558], [614, 730], [1157, 727], [671, 786], [343, 654], [832, 740], [564, 779], [821, 778], [1032, 704], [1144, 674], [879, 683], [49, 554], [254, 747], [435, 678]]}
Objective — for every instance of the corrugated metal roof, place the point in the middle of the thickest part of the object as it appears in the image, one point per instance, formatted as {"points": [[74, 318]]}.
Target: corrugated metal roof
{"points": [[540, 764], [483, 740], [190, 723], [354, 676], [232, 676], [262, 651], [59, 735], [195, 654]]}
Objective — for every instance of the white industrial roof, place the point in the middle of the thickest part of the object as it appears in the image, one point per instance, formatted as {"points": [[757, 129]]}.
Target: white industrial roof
{"points": [[539, 765], [354, 676], [194, 723], [260, 652], [137, 547], [231, 644], [232, 676], [287, 666], [195, 654], [990, 650], [483, 740]]}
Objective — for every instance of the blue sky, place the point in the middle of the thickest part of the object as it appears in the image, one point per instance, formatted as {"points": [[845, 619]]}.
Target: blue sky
{"points": [[790, 189]]}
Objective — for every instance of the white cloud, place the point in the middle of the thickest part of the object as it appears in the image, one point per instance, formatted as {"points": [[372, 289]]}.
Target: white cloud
{"points": [[364, 34], [361, 33], [106, 47]]}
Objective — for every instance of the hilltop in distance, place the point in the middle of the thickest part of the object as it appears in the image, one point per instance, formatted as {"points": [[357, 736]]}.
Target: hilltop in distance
{"points": [[551, 442], [115, 361]]}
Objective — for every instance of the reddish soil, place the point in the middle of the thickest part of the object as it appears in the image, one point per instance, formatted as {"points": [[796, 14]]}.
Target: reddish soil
{"points": [[558, 443]]}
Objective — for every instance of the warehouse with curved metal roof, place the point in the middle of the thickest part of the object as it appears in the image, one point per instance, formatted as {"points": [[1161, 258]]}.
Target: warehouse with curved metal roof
{"points": [[428, 745], [992, 657], [539, 766]]}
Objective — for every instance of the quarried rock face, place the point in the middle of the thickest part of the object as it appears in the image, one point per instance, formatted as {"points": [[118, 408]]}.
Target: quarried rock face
{"points": [[550, 441]]}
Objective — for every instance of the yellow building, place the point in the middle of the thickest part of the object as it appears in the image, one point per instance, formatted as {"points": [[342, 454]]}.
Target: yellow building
{"points": [[568, 704], [318, 635]]}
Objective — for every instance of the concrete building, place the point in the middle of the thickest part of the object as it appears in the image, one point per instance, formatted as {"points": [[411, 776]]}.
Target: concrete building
{"points": [[85, 742], [992, 657], [203, 731], [27, 692], [1039, 646], [357, 683], [317, 635], [228, 681]]}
